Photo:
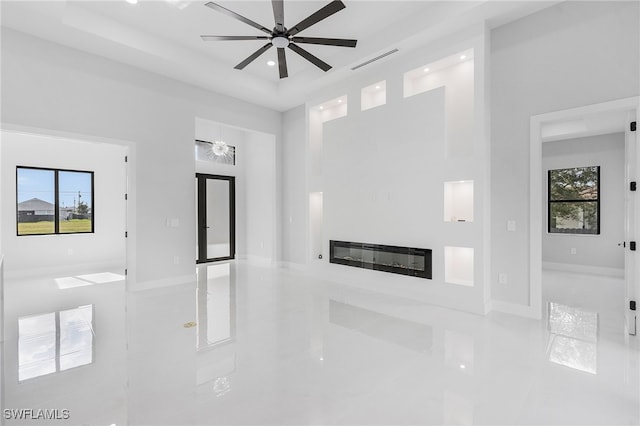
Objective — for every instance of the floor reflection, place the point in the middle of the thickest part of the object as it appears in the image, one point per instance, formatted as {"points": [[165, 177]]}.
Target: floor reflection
{"points": [[459, 351], [457, 409], [279, 347], [573, 337], [88, 279], [216, 331], [54, 342], [66, 348], [409, 334], [215, 302]]}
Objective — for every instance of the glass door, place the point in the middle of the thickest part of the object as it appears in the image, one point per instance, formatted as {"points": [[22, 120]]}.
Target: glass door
{"points": [[216, 217]]}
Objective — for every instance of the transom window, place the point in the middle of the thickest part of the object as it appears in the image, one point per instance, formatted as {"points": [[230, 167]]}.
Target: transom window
{"points": [[54, 201], [574, 200]]}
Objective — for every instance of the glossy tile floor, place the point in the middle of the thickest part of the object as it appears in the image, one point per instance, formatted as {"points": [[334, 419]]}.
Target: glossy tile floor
{"points": [[277, 347]]}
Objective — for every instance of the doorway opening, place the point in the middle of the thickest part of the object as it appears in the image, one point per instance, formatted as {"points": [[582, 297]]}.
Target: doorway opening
{"points": [[608, 123], [216, 235]]}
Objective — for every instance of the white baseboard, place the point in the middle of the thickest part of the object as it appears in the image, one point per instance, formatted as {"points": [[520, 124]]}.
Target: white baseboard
{"points": [[116, 266], [258, 260], [584, 269], [292, 265], [165, 282], [515, 309]]}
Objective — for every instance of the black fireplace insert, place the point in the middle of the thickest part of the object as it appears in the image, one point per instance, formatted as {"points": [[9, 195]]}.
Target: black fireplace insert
{"points": [[415, 262]]}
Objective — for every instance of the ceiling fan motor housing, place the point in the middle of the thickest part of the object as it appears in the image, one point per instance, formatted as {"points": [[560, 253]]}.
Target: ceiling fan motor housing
{"points": [[280, 41]]}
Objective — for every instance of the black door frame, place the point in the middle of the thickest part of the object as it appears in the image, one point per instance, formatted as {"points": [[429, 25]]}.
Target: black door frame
{"points": [[201, 182]]}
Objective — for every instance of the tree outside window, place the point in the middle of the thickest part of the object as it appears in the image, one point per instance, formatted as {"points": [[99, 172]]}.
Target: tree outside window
{"points": [[574, 200]]}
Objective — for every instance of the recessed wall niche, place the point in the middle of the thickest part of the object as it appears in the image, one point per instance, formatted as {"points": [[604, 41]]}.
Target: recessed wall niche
{"points": [[456, 74], [318, 115], [373, 95], [458, 265], [458, 201], [315, 222]]}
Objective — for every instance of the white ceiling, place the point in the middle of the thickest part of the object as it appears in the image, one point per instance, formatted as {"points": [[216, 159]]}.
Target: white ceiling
{"points": [[163, 36]]}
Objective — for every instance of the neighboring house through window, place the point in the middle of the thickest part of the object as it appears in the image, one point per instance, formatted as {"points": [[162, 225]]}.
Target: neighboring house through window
{"points": [[54, 201]]}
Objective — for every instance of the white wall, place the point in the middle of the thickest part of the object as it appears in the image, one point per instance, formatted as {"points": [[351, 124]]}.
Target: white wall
{"points": [[381, 171], [382, 183], [294, 187], [458, 103], [569, 55], [54, 88], [106, 246], [261, 198], [606, 151]]}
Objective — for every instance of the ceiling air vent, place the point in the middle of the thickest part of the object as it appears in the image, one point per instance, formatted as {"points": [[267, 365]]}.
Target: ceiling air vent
{"points": [[374, 59]]}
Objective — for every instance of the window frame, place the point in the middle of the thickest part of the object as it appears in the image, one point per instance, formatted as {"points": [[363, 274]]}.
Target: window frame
{"points": [[550, 201], [56, 207]]}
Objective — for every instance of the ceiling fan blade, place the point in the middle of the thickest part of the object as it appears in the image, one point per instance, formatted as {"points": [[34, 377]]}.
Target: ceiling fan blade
{"points": [[325, 12], [326, 41], [228, 38], [234, 15], [309, 57], [253, 56], [278, 14], [282, 63]]}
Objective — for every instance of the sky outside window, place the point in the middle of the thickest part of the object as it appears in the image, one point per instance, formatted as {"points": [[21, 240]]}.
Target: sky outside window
{"points": [[35, 183], [73, 188]]}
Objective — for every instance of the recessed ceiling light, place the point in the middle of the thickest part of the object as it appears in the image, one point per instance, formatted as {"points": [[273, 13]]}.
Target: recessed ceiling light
{"points": [[132, 1], [463, 57], [426, 70], [462, 366], [271, 63], [377, 87], [339, 101], [321, 107]]}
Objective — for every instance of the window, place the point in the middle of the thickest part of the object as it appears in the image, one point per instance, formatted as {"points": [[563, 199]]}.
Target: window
{"points": [[52, 201], [216, 152], [574, 200]]}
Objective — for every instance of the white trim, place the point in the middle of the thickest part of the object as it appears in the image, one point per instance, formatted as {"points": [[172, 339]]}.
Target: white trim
{"points": [[584, 269], [2, 299], [255, 260], [515, 309], [165, 282], [535, 183], [292, 265], [71, 269]]}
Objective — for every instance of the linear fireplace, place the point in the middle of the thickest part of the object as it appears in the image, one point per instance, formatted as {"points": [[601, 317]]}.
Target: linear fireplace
{"points": [[415, 262]]}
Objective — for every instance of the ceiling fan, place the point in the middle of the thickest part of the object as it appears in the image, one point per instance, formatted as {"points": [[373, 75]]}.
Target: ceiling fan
{"points": [[282, 37]]}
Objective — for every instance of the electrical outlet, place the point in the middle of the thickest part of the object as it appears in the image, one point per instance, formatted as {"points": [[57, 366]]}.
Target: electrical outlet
{"points": [[176, 260], [511, 225], [573, 250], [502, 278]]}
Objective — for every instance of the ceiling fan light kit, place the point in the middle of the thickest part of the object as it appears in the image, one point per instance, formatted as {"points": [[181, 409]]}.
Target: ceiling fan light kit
{"points": [[282, 38]]}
